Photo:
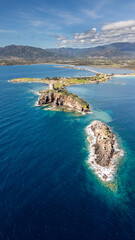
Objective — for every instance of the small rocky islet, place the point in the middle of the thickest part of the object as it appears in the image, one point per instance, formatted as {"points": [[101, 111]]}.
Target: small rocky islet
{"points": [[104, 150]]}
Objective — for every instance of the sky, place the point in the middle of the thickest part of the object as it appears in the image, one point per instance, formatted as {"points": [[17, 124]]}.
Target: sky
{"points": [[70, 23]]}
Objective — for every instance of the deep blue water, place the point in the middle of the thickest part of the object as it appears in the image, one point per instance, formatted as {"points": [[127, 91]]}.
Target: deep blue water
{"points": [[46, 189]]}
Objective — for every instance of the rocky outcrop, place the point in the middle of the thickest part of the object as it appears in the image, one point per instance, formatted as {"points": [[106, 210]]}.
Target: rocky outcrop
{"points": [[63, 98], [104, 150], [105, 141]]}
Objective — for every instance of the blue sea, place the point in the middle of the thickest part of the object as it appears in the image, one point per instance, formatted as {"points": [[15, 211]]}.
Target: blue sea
{"points": [[47, 191]]}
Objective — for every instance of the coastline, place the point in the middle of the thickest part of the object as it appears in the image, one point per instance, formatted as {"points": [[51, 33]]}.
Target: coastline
{"points": [[63, 99], [124, 75], [59, 96], [72, 64], [96, 72], [79, 68], [104, 173]]}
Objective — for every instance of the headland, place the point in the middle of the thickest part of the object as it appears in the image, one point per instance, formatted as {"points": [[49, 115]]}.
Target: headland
{"points": [[58, 96], [63, 99]]}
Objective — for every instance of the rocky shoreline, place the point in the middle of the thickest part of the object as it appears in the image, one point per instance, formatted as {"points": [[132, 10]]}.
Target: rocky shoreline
{"points": [[58, 96], [64, 99], [104, 151]]}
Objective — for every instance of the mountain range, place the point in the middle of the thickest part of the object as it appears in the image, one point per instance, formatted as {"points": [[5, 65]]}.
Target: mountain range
{"points": [[28, 53]]}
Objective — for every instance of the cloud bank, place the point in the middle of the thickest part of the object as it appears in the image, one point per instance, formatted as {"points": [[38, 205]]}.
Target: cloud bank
{"points": [[123, 31]]}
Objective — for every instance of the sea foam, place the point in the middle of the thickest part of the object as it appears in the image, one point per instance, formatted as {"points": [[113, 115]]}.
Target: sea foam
{"points": [[101, 171]]}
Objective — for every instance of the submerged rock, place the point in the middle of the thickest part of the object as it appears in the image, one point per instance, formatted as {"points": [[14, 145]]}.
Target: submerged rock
{"points": [[63, 98]]}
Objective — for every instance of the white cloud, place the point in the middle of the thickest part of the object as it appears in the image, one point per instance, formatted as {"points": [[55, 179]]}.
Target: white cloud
{"points": [[118, 25], [59, 38], [123, 31], [87, 34]]}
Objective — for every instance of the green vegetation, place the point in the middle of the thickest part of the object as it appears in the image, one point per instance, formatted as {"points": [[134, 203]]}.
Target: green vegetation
{"points": [[102, 62], [118, 55], [107, 132], [27, 80], [62, 83], [65, 93], [75, 97]]}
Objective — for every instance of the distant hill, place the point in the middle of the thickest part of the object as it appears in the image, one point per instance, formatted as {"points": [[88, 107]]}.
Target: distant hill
{"points": [[24, 52], [111, 50], [33, 54]]}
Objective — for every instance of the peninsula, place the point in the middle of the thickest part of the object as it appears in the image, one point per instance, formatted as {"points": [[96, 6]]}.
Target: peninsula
{"points": [[58, 96], [62, 83], [104, 151]]}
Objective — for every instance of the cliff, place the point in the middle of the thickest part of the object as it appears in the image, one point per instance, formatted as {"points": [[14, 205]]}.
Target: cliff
{"points": [[63, 98], [104, 150]]}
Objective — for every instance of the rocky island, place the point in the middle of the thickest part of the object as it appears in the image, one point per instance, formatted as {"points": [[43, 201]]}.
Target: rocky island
{"points": [[64, 99], [104, 151]]}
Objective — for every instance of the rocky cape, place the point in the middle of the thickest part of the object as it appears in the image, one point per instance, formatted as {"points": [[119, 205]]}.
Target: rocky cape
{"points": [[104, 151], [64, 99], [58, 96]]}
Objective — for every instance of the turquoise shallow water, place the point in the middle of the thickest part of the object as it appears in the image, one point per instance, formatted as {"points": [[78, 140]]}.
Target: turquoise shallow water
{"points": [[46, 188]]}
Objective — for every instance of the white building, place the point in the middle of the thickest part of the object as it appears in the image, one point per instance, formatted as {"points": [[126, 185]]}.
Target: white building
{"points": [[52, 86]]}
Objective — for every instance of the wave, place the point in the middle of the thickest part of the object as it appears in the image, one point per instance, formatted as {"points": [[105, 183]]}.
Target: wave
{"points": [[35, 92], [105, 173]]}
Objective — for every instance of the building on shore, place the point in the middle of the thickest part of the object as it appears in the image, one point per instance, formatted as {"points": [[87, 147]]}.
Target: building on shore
{"points": [[52, 86]]}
